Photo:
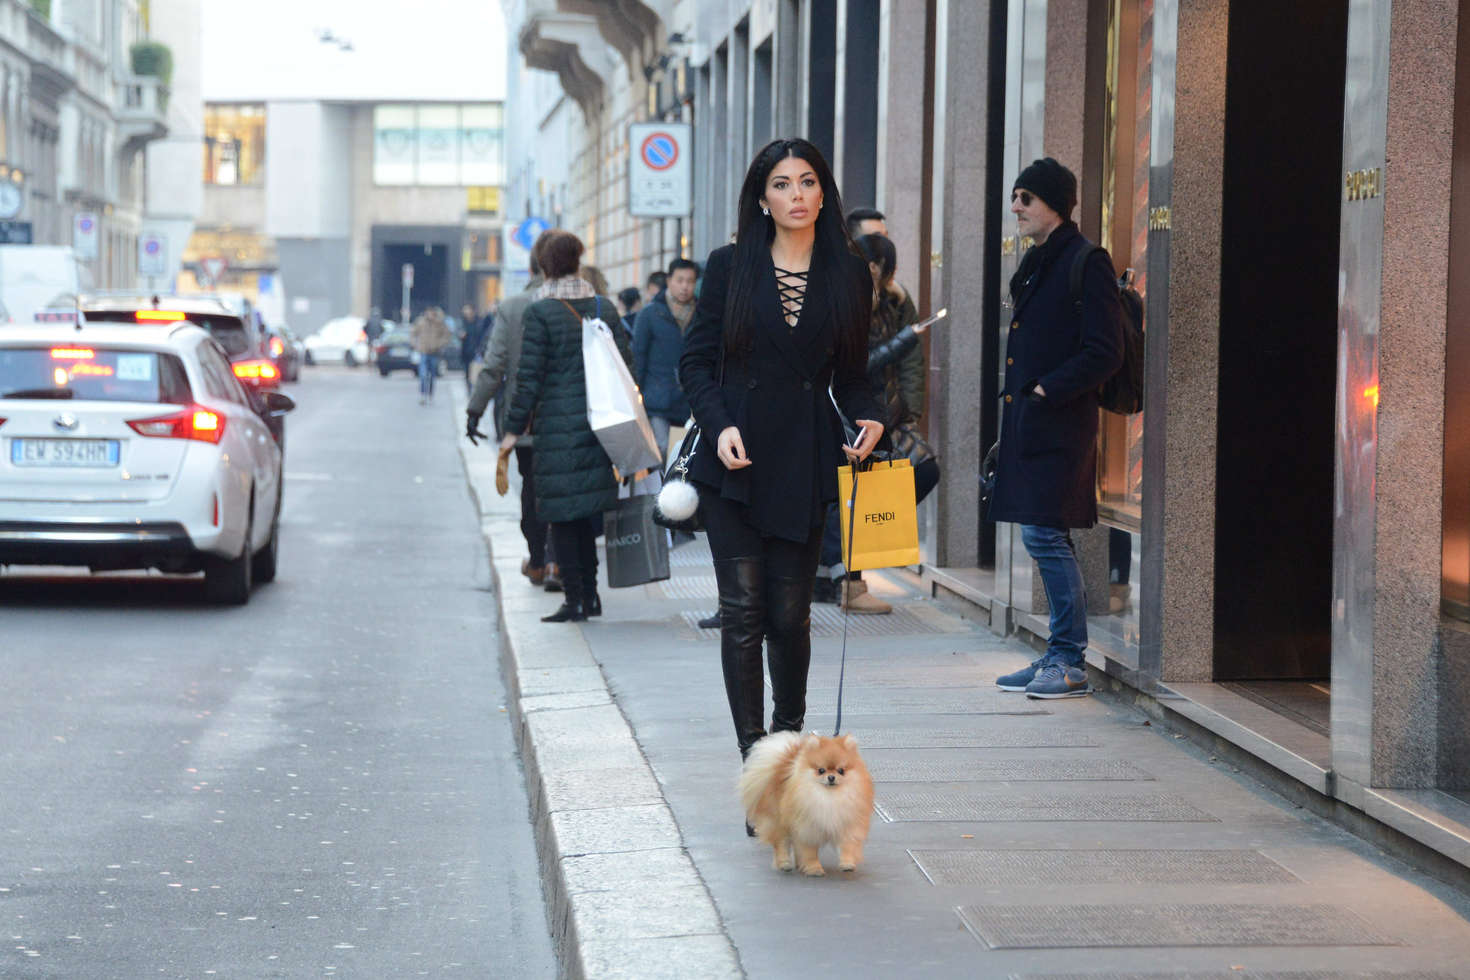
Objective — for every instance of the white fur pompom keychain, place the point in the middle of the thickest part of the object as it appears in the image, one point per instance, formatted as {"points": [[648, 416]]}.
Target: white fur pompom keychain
{"points": [[678, 500]]}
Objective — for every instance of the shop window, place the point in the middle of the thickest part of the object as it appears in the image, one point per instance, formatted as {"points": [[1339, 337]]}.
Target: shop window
{"points": [[1125, 233], [438, 145], [234, 144]]}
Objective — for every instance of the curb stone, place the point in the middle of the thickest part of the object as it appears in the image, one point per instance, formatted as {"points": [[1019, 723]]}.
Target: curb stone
{"points": [[623, 897]]}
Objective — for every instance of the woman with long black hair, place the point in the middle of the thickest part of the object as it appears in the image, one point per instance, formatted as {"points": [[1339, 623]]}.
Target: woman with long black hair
{"points": [[783, 315]]}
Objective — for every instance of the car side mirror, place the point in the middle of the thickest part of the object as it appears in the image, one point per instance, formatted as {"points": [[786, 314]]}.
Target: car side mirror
{"points": [[277, 404]]}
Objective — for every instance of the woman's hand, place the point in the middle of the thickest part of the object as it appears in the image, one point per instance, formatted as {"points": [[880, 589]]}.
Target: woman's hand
{"points": [[868, 436], [731, 450], [507, 444]]}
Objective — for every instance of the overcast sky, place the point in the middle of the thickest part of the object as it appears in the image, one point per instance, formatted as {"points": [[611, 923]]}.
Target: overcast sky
{"points": [[451, 50]]}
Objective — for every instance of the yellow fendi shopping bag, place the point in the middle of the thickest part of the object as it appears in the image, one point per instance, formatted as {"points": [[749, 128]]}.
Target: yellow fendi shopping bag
{"points": [[886, 532]]}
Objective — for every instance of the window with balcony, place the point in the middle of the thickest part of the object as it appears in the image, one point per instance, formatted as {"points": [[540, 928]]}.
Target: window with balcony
{"points": [[234, 144], [438, 145]]}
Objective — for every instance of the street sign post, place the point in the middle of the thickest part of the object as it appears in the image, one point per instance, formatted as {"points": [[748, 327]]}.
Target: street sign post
{"points": [[660, 171], [407, 292], [213, 267], [84, 236], [528, 231], [152, 256]]}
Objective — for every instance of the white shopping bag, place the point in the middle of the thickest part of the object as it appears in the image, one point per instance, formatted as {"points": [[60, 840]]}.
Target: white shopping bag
{"points": [[614, 406]]}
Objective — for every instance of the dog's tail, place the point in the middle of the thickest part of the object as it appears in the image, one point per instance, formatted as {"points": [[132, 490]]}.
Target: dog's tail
{"points": [[767, 757]]}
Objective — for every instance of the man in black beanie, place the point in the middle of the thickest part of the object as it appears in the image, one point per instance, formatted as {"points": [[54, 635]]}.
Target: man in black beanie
{"points": [[1057, 353]]}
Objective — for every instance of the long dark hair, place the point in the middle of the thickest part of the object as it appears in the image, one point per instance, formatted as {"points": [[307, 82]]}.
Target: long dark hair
{"points": [[830, 252]]}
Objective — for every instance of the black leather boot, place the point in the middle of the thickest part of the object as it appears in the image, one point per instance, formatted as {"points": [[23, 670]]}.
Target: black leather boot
{"points": [[572, 610], [789, 648], [742, 616], [591, 601]]}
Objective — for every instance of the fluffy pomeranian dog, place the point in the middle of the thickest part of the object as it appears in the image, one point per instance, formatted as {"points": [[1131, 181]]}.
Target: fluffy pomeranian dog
{"points": [[803, 791]]}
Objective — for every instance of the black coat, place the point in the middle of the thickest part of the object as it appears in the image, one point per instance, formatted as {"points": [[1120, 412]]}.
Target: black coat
{"points": [[1047, 470], [574, 477], [776, 395]]}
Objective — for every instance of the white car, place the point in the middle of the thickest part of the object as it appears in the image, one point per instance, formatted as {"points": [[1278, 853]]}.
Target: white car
{"points": [[342, 339], [135, 446]]}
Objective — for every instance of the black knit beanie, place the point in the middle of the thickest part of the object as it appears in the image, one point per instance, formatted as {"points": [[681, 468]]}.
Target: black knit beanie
{"points": [[1053, 183]]}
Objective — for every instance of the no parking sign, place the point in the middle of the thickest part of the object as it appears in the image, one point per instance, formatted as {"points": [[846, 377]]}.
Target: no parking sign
{"points": [[659, 173]]}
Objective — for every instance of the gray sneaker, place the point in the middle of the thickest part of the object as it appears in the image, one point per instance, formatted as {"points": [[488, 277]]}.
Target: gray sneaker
{"points": [[1018, 680], [1056, 681]]}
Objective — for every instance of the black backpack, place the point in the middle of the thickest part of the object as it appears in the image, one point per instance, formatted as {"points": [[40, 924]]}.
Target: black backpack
{"points": [[1123, 392]]}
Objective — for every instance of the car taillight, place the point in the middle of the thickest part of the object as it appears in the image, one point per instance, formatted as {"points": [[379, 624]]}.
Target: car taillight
{"points": [[194, 422], [257, 372], [277, 348]]}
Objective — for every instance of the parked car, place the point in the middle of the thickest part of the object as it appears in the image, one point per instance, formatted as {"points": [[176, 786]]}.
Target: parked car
{"points": [[286, 350], [394, 352], [133, 445], [339, 340]]}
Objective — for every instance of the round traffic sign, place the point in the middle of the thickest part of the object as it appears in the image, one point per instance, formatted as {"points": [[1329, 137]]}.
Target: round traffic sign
{"points": [[659, 151], [85, 224], [152, 246]]}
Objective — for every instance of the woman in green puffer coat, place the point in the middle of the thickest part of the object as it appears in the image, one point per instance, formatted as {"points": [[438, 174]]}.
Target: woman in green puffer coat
{"points": [[574, 477]]}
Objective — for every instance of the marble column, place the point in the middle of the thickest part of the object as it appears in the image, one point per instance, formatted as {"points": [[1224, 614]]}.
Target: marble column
{"points": [[956, 348], [1386, 619]]}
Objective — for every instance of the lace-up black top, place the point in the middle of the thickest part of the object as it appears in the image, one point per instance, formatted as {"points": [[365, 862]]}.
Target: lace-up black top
{"points": [[792, 288]]}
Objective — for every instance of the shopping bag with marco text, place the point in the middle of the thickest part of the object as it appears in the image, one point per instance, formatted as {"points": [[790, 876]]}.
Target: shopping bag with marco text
{"points": [[880, 525], [637, 548], [614, 406]]}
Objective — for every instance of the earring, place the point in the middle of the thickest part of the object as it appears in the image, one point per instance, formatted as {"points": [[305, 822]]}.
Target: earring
{"points": [[765, 211]]}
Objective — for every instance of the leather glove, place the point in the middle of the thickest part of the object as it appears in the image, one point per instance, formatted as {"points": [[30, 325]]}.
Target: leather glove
{"points": [[502, 473], [472, 428]]}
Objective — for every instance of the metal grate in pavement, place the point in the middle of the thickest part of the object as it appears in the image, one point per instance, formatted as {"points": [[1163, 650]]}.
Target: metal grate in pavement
{"points": [[970, 769], [1238, 975], [958, 675], [961, 805], [948, 701], [1103, 867], [826, 620], [694, 554], [689, 587], [1088, 926], [960, 738]]}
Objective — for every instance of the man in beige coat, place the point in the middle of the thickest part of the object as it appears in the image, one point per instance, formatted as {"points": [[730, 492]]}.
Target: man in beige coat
{"points": [[429, 337]]}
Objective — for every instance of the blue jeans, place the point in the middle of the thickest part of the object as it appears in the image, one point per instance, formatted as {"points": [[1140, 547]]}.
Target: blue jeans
{"points": [[428, 368], [1061, 575]]}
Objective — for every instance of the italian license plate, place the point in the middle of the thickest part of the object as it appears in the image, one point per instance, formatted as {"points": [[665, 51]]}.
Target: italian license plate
{"points": [[64, 452]]}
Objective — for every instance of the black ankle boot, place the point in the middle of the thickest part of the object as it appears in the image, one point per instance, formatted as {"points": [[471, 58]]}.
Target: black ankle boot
{"points": [[788, 649], [568, 612], [592, 604], [743, 616]]}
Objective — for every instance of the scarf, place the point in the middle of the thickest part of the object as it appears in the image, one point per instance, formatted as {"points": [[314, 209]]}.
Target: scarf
{"points": [[681, 312], [567, 287]]}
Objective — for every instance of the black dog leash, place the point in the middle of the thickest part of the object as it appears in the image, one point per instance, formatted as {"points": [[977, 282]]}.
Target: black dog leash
{"points": [[851, 525]]}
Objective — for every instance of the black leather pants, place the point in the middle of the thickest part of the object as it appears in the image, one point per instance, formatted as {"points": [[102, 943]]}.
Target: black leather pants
{"points": [[742, 628], [788, 648]]}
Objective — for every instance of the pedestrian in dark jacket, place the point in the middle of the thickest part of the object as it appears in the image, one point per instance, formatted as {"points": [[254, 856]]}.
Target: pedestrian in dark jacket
{"points": [[574, 477], [783, 313], [1056, 358], [658, 340]]}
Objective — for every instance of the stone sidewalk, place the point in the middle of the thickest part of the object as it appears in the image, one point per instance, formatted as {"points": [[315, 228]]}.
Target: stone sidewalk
{"points": [[1013, 838]]}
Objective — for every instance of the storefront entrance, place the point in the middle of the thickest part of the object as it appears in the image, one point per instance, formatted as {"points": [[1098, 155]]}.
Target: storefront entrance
{"points": [[1281, 204]]}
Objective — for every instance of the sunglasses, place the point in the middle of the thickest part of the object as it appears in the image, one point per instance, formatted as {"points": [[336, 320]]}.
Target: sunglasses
{"points": [[1025, 197]]}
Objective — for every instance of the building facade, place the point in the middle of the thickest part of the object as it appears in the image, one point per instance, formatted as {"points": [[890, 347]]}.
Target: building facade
{"points": [[1284, 556], [75, 122], [313, 209]]}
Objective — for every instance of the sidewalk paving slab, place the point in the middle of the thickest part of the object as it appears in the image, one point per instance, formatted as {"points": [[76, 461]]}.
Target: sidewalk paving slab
{"points": [[1012, 838]]}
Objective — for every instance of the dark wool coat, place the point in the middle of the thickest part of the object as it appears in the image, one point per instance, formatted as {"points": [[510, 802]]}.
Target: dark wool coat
{"points": [[776, 395], [1047, 469], [574, 477], [657, 346]]}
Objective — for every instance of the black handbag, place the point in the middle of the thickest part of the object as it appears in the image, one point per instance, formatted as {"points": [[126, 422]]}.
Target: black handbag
{"points": [[678, 473]]}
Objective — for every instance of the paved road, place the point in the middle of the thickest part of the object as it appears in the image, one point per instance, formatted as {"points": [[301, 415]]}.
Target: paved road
{"points": [[321, 783]]}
